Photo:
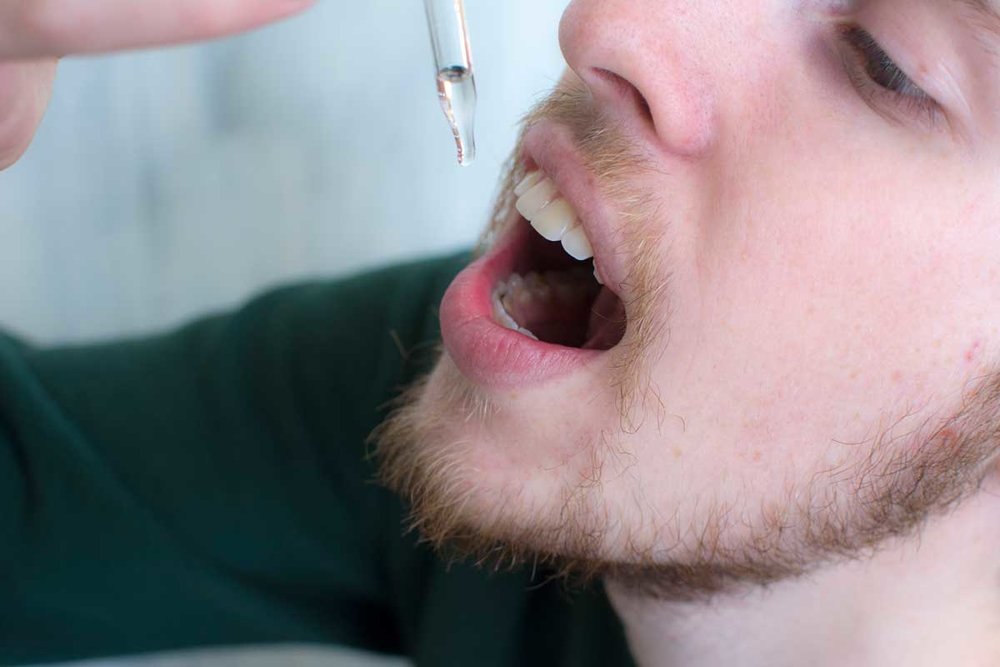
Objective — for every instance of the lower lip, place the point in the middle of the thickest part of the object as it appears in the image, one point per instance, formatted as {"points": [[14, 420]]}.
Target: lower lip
{"points": [[487, 353]]}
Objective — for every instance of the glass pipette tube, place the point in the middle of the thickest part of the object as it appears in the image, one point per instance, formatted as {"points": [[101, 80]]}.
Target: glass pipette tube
{"points": [[456, 84]]}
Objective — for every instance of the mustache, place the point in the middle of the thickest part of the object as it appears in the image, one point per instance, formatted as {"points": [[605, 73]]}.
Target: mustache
{"points": [[603, 145]]}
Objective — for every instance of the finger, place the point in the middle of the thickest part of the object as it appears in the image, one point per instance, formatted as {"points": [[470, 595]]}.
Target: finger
{"points": [[46, 28], [25, 88]]}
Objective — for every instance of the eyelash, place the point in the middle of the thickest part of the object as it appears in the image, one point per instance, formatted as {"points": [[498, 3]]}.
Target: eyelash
{"points": [[880, 81]]}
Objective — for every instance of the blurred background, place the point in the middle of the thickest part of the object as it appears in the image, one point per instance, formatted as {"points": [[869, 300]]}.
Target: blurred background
{"points": [[167, 184]]}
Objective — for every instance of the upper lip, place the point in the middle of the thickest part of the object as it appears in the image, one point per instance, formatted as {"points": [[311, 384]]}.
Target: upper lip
{"points": [[549, 146]]}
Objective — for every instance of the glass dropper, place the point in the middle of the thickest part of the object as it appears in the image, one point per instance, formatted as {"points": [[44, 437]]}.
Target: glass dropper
{"points": [[456, 83]]}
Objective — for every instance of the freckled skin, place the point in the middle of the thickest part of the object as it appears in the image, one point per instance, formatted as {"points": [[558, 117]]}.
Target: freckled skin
{"points": [[819, 286], [829, 302]]}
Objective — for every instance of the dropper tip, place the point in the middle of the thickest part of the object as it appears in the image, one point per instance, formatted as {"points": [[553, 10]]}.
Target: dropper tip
{"points": [[466, 156]]}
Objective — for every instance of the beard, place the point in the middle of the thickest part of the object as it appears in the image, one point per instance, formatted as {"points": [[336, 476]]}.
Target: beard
{"points": [[572, 531]]}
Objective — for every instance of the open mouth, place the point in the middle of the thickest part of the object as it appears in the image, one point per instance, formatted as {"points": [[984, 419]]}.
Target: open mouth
{"points": [[554, 293]]}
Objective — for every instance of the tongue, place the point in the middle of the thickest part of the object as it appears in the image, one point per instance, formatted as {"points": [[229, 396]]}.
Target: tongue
{"points": [[561, 307], [555, 320], [607, 322]]}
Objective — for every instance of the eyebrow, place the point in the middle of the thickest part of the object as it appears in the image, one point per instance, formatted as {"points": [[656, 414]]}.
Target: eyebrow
{"points": [[986, 14]]}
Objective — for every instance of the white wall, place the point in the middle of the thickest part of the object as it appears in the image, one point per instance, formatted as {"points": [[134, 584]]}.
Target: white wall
{"points": [[165, 184]]}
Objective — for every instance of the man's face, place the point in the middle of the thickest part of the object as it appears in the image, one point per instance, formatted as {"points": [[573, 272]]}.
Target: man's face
{"points": [[794, 206]]}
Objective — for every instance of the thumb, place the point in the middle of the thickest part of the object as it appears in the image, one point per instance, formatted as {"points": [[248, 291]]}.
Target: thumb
{"points": [[25, 88]]}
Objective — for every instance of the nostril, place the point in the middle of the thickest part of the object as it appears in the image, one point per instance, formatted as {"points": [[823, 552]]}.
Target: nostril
{"points": [[627, 92]]}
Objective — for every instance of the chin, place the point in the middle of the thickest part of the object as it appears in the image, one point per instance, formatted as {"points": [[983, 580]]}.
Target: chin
{"points": [[487, 474]]}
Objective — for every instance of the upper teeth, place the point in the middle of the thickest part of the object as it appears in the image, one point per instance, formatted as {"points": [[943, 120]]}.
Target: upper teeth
{"points": [[540, 203]]}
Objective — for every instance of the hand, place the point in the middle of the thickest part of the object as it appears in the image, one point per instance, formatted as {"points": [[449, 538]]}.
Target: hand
{"points": [[34, 34]]}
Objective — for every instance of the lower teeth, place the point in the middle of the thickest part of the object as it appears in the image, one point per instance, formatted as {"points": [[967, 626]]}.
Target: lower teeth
{"points": [[501, 300], [502, 316], [571, 286]]}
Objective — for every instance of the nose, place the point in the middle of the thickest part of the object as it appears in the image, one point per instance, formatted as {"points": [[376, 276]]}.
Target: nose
{"points": [[639, 58]]}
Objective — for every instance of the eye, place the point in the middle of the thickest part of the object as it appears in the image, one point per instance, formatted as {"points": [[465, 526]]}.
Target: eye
{"points": [[879, 80]]}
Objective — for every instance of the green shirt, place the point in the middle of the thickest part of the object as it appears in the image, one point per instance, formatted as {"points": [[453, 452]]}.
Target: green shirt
{"points": [[210, 487]]}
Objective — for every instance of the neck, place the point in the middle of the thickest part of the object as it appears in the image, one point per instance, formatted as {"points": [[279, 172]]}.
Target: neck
{"points": [[931, 599]]}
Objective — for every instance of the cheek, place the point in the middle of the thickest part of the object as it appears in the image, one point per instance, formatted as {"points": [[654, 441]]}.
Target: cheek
{"points": [[845, 242], [847, 300], [827, 309]]}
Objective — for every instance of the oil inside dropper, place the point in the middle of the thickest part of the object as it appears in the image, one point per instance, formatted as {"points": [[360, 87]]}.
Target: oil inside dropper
{"points": [[457, 92]]}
